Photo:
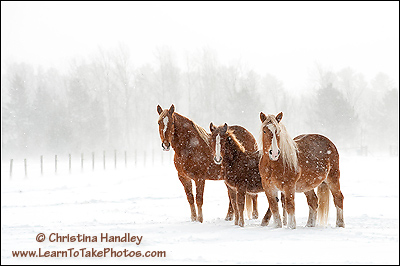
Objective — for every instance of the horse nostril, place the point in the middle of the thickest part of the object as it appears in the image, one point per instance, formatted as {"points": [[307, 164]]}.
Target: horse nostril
{"points": [[270, 152], [279, 152]]}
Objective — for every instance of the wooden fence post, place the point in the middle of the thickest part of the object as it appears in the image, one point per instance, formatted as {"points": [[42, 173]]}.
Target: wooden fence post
{"points": [[55, 163], [115, 158], [41, 164], [135, 158], [69, 163], [26, 170], [81, 162], [11, 166]]}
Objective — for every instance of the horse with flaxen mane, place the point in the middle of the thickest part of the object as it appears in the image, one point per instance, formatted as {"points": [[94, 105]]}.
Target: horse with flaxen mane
{"points": [[193, 156], [239, 166], [299, 165]]}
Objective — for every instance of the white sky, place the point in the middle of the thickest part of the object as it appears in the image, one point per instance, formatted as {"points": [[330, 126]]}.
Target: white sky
{"points": [[285, 39]]}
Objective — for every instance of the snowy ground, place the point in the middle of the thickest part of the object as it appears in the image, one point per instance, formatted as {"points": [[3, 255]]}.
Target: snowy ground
{"points": [[150, 202]]}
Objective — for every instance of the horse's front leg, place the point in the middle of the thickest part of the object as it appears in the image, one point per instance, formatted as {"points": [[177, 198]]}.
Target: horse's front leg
{"points": [[284, 212], [240, 198], [229, 215], [289, 192], [272, 194], [199, 198], [187, 185]]}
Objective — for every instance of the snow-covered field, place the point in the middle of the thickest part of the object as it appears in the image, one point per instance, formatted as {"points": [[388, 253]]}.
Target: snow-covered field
{"points": [[150, 202]]}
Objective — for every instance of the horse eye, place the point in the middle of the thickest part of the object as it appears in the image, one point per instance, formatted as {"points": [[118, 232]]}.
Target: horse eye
{"points": [[265, 131]]}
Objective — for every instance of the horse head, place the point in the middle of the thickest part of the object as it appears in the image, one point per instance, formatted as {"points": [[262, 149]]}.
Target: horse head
{"points": [[218, 136], [166, 126], [270, 132]]}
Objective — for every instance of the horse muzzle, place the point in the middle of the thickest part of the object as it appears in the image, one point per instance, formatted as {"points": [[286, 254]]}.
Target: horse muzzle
{"points": [[218, 161], [165, 147], [274, 156]]}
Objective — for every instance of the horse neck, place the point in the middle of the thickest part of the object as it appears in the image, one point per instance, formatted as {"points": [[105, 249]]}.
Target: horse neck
{"points": [[232, 152], [184, 131]]}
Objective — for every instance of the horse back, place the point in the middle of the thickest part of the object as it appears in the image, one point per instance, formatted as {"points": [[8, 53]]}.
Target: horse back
{"points": [[316, 152], [245, 137]]}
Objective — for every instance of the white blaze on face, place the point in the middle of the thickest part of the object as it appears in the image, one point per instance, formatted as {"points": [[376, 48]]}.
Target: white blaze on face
{"points": [[218, 148], [274, 147], [165, 121]]}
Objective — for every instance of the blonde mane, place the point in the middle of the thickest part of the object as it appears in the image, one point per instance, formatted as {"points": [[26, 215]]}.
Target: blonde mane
{"points": [[288, 146], [202, 133], [235, 140], [162, 115]]}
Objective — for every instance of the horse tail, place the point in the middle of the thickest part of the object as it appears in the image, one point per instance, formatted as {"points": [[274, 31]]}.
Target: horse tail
{"points": [[249, 205], [323, 203]]}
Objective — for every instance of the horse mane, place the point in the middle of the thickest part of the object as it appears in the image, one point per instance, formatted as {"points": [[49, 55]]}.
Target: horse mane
{"points": [[162, 115], [202, 133], [288, 146], [238, 144]]}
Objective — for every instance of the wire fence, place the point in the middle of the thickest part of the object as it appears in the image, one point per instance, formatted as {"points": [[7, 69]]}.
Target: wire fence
{"points": [[84, 162]]}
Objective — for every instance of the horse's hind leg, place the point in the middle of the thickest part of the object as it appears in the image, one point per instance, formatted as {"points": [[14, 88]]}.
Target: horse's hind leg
{"points": [[230, 214], [187, 185], [312, 201], [232, 196], [199, 198], [251, 205], [255, 206], [334, 186]]}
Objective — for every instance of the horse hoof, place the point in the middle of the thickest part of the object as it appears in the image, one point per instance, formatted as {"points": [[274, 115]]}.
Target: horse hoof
{"points": [[310, 225], [277, 225], [341, 224], [229, 218], [264, 223]]}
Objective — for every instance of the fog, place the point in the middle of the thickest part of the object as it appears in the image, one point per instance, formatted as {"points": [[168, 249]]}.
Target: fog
{"points": [[87, 77]]}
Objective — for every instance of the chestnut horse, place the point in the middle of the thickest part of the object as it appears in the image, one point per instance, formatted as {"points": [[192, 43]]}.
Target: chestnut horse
{"points": [[299, 165], [239, 166], [193, 156]]}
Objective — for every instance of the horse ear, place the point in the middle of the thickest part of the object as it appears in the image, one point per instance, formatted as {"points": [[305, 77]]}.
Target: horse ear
{"points": [[212, 127], [159, 109], [172, 109], [225, 128], [279, 117], [262, 117]]}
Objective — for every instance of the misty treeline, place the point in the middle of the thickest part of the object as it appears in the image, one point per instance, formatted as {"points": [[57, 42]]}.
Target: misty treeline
{"points": [[107, 102]]}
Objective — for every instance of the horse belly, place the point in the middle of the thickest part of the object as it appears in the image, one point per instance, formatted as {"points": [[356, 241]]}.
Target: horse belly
{"points": [[309, 181], [197, 169]]}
